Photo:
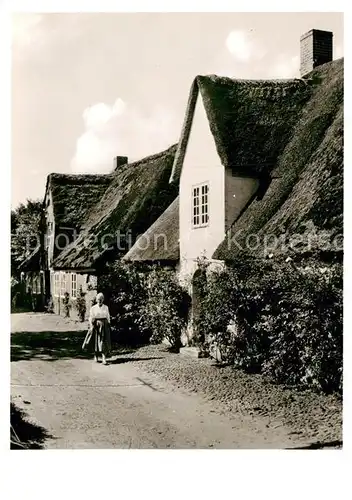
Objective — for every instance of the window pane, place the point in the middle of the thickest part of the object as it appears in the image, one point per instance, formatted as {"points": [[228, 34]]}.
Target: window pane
{"points": [[200, 204], [73, 285]]}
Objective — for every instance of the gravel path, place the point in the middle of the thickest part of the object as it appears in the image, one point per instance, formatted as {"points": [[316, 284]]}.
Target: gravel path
{"points": [[150, 398], [312, 418]]}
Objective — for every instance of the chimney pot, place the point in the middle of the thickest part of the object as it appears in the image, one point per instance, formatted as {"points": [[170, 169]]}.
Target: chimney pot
{"points": [[316, 49], [119, 161]]}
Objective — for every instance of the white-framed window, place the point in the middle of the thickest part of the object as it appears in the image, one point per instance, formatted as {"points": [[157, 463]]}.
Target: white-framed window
{"points": [[74, 285], [63, 285], [57, 284], [200, 205]]}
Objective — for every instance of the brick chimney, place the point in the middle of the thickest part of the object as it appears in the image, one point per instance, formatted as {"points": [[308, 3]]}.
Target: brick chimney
{"points": [[316, 49], [120, 160]]}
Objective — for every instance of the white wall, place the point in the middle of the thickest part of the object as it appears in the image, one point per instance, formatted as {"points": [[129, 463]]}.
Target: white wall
{"points": [[81, 282], [201, 164], [228, 196]]}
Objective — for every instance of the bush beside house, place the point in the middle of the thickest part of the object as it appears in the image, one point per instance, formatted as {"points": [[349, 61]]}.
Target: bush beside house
{"points": [[275, 317], [67, 306], [286, 321], [146, 303], [81, 305], [166, 308], [124, 289]]}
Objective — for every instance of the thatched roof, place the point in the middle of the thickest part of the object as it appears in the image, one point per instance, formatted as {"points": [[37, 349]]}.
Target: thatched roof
{"points": [[161, 241], [137, 195], [306, 194], [75, 195], [32, 262], [251, 120], [268, 129]]}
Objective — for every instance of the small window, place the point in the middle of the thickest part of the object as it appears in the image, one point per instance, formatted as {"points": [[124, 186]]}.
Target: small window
{"points": [[63, 284], [56, 284], [74, 285], [200, 205]]}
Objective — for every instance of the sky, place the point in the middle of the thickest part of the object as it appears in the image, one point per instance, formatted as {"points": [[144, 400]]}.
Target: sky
{"points": [[89, 87]]}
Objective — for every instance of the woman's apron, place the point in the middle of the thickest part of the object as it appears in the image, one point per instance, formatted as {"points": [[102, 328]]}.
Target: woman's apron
{"points": [[99, 334]]}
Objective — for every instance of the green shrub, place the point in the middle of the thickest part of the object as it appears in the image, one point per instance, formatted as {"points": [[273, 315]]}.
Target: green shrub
{"points": [[306, 340], [49, 307], [66, 304], [19, 299], [124, 290], [288, 321], [215, 310], [165, 312], [200, 291], [81, 305]]}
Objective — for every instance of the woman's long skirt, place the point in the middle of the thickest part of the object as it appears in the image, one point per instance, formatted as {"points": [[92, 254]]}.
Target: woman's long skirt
{"points": [[99, 337]]}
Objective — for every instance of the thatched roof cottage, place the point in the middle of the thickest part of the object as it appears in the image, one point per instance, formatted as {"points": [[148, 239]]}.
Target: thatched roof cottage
{"points": [[93, 219], [257, 160], [258, 163]]}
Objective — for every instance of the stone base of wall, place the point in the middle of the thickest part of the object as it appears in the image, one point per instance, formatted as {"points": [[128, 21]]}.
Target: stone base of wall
{"points": [[189, 352]]}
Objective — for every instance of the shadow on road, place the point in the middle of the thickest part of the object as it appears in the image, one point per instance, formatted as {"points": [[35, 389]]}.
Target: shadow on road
{"points": [[118, 361], [51, 346], [319, 446], [31, 436]]}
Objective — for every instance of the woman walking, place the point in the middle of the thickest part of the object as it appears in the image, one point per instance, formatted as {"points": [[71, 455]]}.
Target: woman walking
{"points": [[99, 329]]}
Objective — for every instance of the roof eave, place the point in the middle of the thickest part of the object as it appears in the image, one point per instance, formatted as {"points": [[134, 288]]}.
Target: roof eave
{"points": [[185, 133]]}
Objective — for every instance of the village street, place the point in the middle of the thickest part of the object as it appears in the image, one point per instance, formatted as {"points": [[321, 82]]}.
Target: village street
{"points": [[71, 402]]}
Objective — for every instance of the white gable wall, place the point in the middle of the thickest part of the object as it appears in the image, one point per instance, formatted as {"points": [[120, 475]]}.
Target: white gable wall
{"points": [[228, 195], [201, 164]]}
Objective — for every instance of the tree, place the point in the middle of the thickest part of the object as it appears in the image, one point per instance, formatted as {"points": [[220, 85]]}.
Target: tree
{"points": [[25, 231]]}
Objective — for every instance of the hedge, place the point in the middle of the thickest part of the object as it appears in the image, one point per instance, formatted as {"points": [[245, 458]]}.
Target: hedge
{"points": [[287, 321]]}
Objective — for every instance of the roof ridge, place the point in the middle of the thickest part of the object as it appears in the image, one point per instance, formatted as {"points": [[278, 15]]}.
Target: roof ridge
{"points": [[154, 156], [61, 178], [227, 79]]}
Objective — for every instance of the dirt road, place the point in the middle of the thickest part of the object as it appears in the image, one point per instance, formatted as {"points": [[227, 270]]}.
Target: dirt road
{"points": [[71, 402]]}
